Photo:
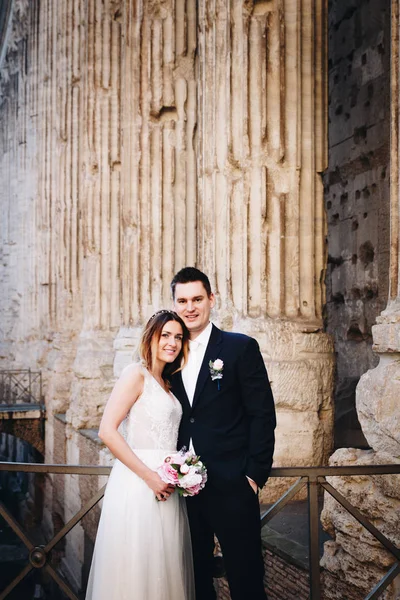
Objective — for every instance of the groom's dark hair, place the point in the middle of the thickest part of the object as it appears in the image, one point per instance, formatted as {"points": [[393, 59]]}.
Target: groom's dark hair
{"points": [[189, 274]]}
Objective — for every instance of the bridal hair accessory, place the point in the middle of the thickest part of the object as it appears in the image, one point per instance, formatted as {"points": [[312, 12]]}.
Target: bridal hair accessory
{"points": [[216, 369], [161, 312], [185, 471]]}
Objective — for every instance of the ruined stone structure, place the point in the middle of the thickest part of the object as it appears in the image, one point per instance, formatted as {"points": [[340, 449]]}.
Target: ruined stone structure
{"points": [[137, 137], [354, 561]]}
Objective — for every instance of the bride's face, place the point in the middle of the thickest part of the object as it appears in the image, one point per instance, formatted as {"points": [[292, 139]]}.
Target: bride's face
{"points": [[170, 343]]}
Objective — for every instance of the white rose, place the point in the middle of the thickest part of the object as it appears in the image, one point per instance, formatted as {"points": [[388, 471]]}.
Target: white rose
{"points": [[190, 480], [185, 468], [218, 365]]}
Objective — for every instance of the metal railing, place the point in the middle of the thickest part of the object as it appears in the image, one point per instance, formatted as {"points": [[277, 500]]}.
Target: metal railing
{"points": [[312, 478], [21, 387]]}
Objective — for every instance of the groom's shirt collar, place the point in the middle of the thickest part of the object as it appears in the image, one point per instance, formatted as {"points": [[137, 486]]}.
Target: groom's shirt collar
{"points": [[203, 338]]}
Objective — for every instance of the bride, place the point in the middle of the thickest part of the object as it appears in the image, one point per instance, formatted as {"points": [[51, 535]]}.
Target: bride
{"points": [[143, 547]]}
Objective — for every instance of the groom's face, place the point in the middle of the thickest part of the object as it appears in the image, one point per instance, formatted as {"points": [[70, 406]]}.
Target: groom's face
{"points": [[193, 305]]}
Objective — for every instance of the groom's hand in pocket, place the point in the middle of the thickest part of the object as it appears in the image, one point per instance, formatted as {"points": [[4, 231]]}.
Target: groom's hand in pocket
{"points": [[253, 485]]}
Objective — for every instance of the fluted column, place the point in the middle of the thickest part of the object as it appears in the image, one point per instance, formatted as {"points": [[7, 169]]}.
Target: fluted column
{"points": [[262, 146], [224, 132], [97, 93], [20, 277], [159, 197], [175, 133], [262, 139], [158, 225]]}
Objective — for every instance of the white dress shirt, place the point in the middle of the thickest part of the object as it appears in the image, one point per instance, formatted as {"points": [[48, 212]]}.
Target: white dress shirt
{"points": [[197, 350], [190, 372]]}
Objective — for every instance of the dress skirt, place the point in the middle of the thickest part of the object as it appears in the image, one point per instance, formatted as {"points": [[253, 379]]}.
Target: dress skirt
{"points": [[143, 548]]}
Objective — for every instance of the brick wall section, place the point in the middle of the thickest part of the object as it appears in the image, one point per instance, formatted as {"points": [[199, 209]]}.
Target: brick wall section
{"points": [[357, 193], [283, 580]]}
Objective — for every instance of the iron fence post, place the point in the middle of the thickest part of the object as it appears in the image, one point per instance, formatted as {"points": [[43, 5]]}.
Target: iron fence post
{"points": [[313, 516]]}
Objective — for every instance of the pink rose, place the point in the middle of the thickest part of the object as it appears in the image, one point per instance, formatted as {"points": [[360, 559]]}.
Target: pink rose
{"points": [[168, 474], [192, 491]]}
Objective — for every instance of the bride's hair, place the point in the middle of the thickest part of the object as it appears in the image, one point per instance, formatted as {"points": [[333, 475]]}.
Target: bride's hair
{"points": [[151, 337]]}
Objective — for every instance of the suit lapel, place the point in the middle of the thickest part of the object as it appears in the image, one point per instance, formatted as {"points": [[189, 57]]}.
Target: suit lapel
{"points": [[211, 353]]}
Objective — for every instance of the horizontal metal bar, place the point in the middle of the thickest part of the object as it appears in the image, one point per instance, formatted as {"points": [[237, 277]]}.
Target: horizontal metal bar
{"points": [[22, 407], [384, 582], [278, 472], [283, 500], [7, 371], [361, 519], [60, 469], [336, 471]]}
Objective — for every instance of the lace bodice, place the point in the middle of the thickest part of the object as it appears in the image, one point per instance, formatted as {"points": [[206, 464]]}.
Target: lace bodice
{"points": [[153, 421]]}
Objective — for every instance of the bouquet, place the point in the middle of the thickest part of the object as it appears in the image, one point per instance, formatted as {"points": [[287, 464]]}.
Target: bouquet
{"points": [[185, 470]]}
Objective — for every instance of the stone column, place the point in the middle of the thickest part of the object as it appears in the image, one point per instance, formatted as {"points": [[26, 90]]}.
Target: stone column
{"points": [[159, 187], [224, 132], [96, 113], [261, 226], [175, 133], [19, 148], [354, 553]]}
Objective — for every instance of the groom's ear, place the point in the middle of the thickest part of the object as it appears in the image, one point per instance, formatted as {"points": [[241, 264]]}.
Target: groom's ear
{"points": [[211, 298]]}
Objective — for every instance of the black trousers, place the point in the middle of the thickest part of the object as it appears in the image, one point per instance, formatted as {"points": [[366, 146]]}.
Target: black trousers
{"points": [[234, 517]]}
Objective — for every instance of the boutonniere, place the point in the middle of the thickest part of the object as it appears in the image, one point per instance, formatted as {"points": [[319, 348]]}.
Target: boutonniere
{"points": [[216, 369]]}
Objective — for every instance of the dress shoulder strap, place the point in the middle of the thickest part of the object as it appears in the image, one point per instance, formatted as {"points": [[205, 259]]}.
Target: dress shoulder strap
{"points": [[145, 372]]}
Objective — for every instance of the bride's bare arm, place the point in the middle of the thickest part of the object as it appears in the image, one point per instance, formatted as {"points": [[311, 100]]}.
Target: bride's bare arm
{"points": [[125, 393]]}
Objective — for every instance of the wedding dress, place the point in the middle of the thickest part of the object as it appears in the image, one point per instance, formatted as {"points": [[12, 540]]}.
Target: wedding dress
{"points": [[143, 549]]}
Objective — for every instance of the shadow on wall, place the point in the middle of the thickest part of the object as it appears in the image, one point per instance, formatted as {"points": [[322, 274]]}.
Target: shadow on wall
{"points": [[348, 433]]}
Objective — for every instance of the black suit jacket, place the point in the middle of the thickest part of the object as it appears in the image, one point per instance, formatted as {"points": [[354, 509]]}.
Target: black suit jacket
{"points": [[232, 427]]}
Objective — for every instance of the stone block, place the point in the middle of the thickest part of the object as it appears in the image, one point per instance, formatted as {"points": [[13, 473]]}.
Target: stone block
{"points": [[299, 439], [377, 401]]}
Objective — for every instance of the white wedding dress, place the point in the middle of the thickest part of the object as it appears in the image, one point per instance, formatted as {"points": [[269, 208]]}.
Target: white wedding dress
{"points": [[143, 549]]}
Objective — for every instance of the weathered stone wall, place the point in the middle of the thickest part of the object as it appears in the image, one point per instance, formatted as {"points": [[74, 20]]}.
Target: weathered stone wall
{"points": [[357, 194], [208, 175]]}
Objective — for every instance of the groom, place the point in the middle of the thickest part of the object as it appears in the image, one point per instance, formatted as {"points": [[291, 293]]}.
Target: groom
{"points": [[229, 420]]}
